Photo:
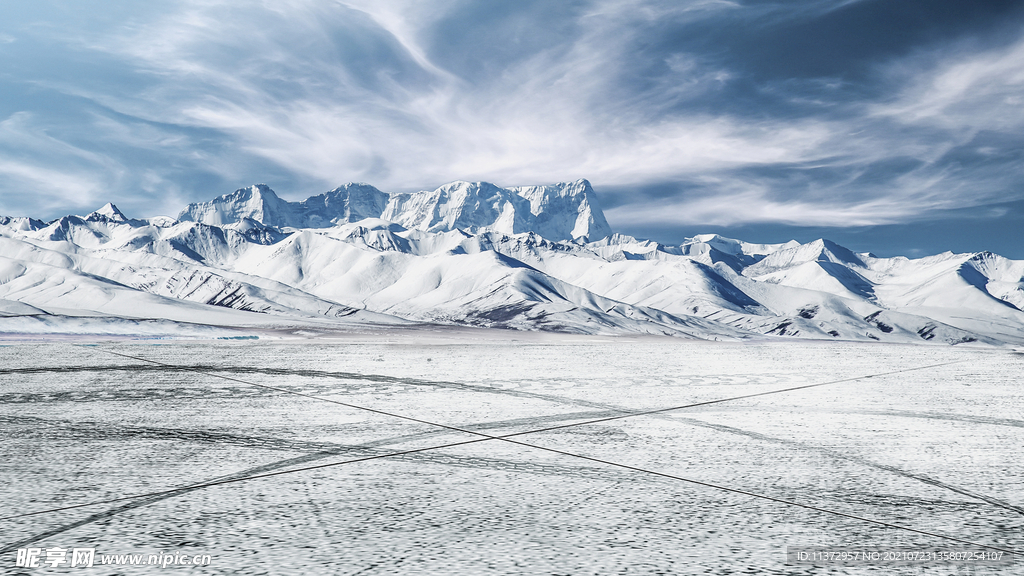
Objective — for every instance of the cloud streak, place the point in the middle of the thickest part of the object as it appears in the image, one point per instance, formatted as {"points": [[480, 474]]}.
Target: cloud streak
{"points": [[551, 114], [636, 95]]}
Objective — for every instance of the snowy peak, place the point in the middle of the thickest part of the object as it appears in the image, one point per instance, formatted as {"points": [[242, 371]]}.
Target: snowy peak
{"points": [[257, 202], [821, 251], [470, 206], [108, 213], [21, 223], [739, 247], [566, 211], [348, 203], [1001, 278]]}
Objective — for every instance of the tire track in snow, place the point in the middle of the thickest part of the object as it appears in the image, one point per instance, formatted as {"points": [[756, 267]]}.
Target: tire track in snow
{"points": [[365, 449], [230, 391], [384, 379], [194, 391], [940, 416], [99, 431], [862, 461], [145, 501], [968, 418], [480, 426]]}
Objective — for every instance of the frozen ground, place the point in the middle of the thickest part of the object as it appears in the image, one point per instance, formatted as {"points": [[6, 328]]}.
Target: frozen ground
{"points": [[937, 449]]}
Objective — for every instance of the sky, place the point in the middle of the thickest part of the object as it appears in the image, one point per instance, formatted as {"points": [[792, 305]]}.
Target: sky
{"points": [[895, 127]]}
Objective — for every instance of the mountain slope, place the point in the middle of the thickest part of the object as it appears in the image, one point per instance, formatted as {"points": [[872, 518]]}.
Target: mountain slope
{"points": [[527, 258]]}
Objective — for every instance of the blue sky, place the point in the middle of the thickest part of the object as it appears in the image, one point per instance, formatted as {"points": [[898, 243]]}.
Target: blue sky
{"points": [[888, 126]]}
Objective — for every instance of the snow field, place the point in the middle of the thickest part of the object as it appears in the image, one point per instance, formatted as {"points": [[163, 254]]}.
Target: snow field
{"points": [[935, 449]]}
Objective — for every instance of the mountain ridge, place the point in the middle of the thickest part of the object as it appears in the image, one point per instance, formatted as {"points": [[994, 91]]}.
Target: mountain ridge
{"points": [[477, 254], [563, 211]]}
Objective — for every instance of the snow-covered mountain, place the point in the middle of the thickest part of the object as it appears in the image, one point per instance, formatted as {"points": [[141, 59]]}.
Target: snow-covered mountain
{"points": [[565, 211], [258, 203], [530, 258]]}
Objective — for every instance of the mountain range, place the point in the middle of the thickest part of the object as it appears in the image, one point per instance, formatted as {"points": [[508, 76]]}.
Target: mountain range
{"points": [[476, 254]]}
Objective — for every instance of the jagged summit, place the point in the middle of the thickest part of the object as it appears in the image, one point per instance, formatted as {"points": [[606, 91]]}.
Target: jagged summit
{"points": [[564, 211], [257, 202], [350, 202], [567, 205], [470, 206], [108, 212]]}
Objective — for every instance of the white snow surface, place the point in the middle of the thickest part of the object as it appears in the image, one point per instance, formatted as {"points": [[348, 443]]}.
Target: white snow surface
{"points": [[923, 437], [476, 254]]}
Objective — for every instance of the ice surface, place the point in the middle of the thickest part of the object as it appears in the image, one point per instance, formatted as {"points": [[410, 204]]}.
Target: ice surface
{"points": [[935, 449]]}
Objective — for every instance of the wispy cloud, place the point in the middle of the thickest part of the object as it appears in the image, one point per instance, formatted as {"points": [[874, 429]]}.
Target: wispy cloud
{"points": [[629, 93], [756, 206], [968, 92], [40, 171], [734, 200], [549, 114]]}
